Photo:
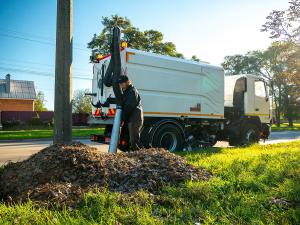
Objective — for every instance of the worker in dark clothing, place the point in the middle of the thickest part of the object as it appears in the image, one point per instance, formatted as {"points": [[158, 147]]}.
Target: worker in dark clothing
{"points": [[132, 112]]}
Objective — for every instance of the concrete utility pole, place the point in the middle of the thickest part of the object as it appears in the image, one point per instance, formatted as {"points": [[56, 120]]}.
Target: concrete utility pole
{"points": [[63, 73]]}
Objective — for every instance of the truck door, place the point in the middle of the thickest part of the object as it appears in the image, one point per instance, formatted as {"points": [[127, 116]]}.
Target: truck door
{"points": [[261, 101]]}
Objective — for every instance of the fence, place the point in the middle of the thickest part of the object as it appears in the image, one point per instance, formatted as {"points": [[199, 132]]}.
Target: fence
{"points": [[23, 117]]}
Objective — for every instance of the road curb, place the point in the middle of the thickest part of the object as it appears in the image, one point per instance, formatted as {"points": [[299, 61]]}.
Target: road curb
{"points": [[36, 139]]}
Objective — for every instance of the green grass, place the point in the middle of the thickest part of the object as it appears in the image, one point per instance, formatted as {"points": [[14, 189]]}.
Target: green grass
{"points": [[243, 184], [285, 126], [45, 133]]}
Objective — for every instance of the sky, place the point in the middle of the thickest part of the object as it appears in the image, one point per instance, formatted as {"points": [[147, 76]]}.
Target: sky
{"points": [[210, 29]]}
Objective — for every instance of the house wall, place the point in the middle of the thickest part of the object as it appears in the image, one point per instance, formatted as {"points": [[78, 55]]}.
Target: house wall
{"points": [[16, 105]]}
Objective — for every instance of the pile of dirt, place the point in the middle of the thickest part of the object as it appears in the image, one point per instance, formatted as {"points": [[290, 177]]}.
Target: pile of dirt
{"points": [[62, 173]]}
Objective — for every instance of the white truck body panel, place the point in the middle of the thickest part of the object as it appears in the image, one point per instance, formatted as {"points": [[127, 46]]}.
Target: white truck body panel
{"points": [[170, 87]]}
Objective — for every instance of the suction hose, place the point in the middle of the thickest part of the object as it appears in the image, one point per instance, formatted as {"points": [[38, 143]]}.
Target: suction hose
{"points": [[111, 77], [114, 68]]}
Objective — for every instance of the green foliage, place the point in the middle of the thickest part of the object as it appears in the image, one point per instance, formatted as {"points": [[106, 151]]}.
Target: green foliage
{"points": [[278, 62], [10, 124], [242, 191], [285, 25], [148, 40], [39, 103], [81, 103], [1, 170], [250, 63], [195, 58], [35, 121], [285, 126]]}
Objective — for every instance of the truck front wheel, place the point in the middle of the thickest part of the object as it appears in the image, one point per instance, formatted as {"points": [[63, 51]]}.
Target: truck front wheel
{"points": [[250, 135], [168, 136]]}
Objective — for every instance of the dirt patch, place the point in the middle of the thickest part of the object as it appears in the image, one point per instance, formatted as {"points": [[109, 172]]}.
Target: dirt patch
{"points": [[62, 173], [282, 202]]}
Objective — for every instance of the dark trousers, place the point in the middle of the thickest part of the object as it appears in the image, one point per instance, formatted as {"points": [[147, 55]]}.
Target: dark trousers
{"points": [[134, 129]]}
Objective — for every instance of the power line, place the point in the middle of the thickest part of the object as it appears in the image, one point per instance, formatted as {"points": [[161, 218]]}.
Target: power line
{"points": [[52, 40], [38, 73], [26, 39], [23, 67], [33, 63], [34, 68], [26, 34], [29, 62], [22, 37]]}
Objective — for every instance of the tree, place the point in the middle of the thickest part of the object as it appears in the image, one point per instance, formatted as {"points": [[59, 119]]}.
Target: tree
{"points": [[148, 40], [195, 58], [284, 24], [251, 62], [39, 103], [81, 103]]}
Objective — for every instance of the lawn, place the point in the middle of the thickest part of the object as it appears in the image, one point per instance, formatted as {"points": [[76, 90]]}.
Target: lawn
{"points": [[285, 126], [259, 184], [45, 133]]}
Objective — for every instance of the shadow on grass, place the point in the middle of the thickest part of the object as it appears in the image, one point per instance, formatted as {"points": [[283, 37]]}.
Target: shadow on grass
{"points": [[202, 151]]}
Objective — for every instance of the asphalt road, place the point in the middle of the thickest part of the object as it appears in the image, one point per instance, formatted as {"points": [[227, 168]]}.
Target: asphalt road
{"points": [[20, 150]]}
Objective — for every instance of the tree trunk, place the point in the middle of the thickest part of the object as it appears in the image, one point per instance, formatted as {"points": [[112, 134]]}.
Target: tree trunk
{"points": [[277, 118], [278, 121], [291, 124], [289, 113]]}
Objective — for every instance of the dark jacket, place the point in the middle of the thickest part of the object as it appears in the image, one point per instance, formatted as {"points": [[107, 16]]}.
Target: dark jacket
{"points": [[132, 108]]}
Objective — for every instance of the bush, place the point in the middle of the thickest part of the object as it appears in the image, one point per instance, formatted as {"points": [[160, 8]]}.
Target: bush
{"points": [[50, 123], [35, 121], [10, 124]]}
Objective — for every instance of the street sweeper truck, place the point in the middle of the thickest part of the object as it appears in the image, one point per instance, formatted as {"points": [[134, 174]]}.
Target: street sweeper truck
{"points": [[186, 104]]}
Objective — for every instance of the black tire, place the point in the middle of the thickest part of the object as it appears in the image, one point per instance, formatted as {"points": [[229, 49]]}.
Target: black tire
{"points": [[168, 136], [145, 136], [234, 141], [250, 135]]}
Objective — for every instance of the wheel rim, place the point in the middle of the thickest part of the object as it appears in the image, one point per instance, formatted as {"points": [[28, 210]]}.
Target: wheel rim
{"points": [[169, 141]]}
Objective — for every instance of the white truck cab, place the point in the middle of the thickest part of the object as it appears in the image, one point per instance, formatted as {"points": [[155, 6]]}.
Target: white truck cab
{"points": [[185, 104], [256, 98], [247, 108]]}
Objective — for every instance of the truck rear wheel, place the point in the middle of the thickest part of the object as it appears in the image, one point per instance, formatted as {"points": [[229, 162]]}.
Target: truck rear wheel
{"points": [[168, 136]]}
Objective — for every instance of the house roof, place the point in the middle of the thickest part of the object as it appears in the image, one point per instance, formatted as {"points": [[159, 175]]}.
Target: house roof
{"points": [[19, 89]]}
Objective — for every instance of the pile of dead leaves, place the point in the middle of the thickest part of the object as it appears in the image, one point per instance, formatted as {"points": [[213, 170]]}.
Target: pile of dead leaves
{"points": [[62, 173]]}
